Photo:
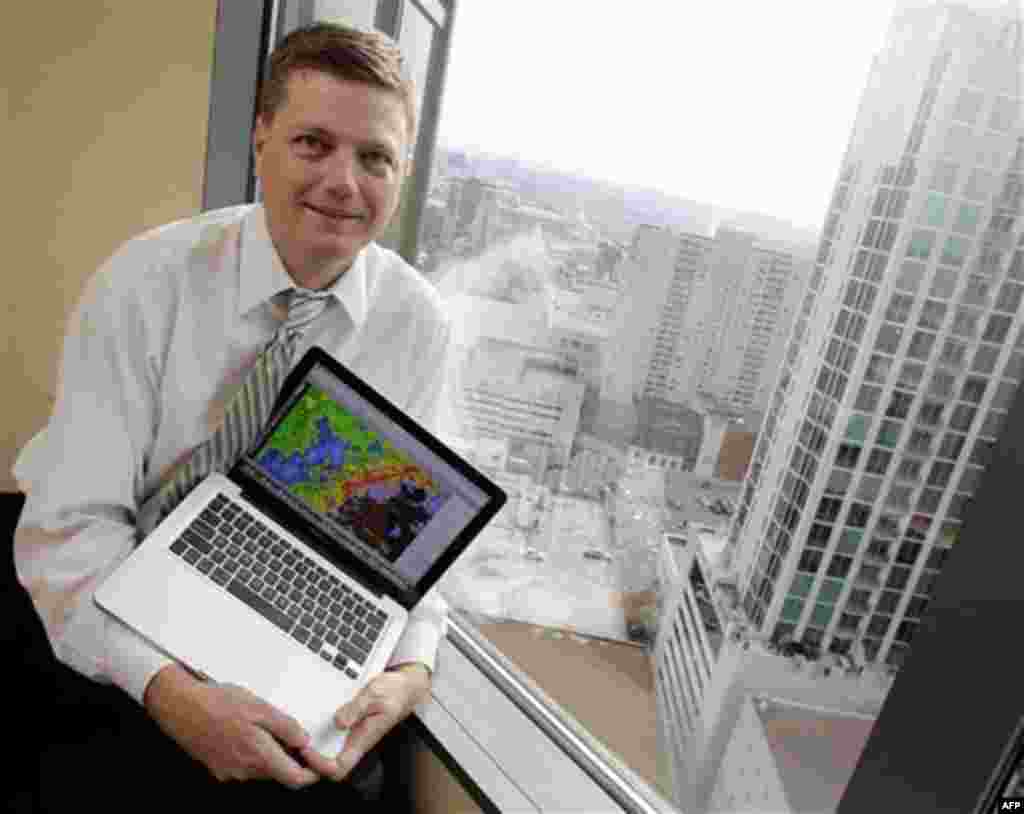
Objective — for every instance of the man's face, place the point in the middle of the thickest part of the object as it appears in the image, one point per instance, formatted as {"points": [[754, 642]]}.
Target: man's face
{"points": [[331, 162]]}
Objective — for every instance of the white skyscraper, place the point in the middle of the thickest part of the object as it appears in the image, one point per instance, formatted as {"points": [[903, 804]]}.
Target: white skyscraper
{"points": [[906, 352]]}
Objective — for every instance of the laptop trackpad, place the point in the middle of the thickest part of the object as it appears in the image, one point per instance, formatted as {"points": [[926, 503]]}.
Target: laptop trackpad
{"points": [[313, 704]]}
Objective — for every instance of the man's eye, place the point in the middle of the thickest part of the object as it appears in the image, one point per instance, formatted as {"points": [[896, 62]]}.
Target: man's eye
{"points": [[310, 143], [378, 159]]}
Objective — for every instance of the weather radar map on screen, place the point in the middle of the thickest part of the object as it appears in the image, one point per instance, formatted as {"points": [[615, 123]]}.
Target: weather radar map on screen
{"points": [[342, 469]]}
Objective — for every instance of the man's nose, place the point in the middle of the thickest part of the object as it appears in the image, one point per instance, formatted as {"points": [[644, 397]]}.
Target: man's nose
{"points": [[342, 173]]}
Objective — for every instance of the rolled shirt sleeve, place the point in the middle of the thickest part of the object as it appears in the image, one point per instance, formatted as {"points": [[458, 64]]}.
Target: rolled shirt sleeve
{"points": [[83, 474]]}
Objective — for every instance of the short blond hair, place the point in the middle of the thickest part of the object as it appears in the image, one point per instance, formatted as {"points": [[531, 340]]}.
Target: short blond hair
{"points": [[344, 52]]}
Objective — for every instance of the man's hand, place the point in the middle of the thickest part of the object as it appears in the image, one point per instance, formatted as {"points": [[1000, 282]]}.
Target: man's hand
{"points": [[228, 729], [386, 701]]}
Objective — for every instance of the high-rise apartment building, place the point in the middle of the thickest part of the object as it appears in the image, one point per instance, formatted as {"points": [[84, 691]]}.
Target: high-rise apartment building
{"points": [[906, 353], [743, 298]]}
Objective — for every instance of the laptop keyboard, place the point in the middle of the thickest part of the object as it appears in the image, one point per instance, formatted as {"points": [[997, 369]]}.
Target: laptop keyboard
{"points": [[233, 548]]}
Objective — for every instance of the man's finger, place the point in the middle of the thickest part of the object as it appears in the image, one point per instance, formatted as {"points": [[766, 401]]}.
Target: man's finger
{"points": [[283, 727], [361, 739], [324, 766], [281, 767]]}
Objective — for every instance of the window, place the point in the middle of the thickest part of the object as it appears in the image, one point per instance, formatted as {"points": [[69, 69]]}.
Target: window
{"points": [[954, 251], [920, 245], [899, 308], [968, 105], [921, 344], [943, 283], [839, 566], [967, 219], [888, 338], [932, 314], [910, 275], [934, 213], [944, 176], [985, 359], [878, 462], [998, 328], [979, 185], [962, 417], [1004, 113]]}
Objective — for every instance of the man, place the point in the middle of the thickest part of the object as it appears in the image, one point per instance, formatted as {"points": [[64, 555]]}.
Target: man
{"points": [[164, 333]]}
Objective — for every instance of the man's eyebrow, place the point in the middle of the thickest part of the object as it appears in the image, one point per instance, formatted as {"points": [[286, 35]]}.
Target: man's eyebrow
{"points": [[373, 143]]}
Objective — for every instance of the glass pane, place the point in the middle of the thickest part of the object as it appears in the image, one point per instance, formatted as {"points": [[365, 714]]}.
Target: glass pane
{"points": [[629, 365]]}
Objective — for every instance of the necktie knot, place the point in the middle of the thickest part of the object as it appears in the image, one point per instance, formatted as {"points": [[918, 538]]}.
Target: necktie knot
{"points": [[304, 306]]}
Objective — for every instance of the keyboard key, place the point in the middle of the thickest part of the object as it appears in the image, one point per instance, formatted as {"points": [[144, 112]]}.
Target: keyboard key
{"points": [[332, 637], [234, 551], [319, 630], [331, 622], [202, 529], [244, 575], [307, 620], [270, 578], [261, 606], [325, 584], [259, 569], [299, 582], [362, 643], [295, 595], [196, 541], [264, 556], [353, 652], [231, 566], [220, 576], [319, 612], [301, 635], [326, 656], [351, 673], [179, 546], [281, 602], [269, 594], [287, 575], [191, 556], [277, 549], [307, 605], [289, 558], [294, 611], [340, 661], [335, 593], [205, 565], [316, 643], [256, 584]]}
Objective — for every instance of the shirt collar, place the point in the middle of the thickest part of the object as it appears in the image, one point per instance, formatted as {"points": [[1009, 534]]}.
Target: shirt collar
{"points": [[265, 275]]}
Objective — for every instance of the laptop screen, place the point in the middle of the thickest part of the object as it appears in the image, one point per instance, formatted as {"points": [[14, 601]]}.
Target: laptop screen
{"points": [[363, 479]]}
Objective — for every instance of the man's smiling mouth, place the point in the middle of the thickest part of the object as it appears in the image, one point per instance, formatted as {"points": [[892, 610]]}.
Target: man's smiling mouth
{"points": [[330, 213]]}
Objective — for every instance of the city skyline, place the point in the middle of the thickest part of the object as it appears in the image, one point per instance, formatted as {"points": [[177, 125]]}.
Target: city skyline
{"points": [[619, 75]]}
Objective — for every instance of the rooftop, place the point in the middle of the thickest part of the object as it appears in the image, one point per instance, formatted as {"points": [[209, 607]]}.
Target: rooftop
{"points": [[815, 750]]}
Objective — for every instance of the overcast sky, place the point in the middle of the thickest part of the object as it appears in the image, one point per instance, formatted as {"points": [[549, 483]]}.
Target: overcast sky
{"points": [[746, 105]]}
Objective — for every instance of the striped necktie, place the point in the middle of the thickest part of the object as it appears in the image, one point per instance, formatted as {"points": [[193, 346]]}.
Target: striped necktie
{"points": [[245, 414]]}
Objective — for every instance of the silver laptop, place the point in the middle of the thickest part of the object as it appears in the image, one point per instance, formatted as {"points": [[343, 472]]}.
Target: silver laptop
{"points": [[293, 575]]}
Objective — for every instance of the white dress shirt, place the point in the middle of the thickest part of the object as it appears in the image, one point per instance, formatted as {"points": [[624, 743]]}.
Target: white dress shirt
{"points": [[161, 335]]}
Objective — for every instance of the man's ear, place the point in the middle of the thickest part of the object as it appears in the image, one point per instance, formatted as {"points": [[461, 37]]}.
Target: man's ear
{"points": [[260, 132]]}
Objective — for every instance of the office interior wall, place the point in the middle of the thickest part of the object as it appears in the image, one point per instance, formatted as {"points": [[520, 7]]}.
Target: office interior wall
{"points": [[108, 108]]}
